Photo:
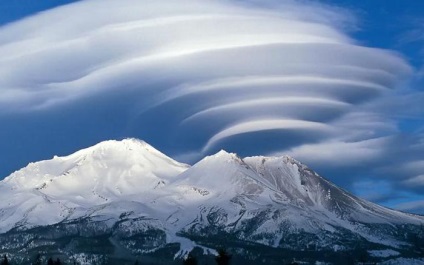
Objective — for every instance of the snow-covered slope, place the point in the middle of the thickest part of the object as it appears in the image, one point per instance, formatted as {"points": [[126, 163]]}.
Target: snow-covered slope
{"points": [[128, 189], [265, 199], [50, 191]]}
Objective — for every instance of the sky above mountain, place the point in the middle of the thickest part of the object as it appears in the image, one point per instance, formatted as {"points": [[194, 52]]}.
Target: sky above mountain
{"points": [[337, 84]]}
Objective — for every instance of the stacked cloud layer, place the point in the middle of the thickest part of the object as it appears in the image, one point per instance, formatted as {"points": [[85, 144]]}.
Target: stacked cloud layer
{"points": [[198, 76]]}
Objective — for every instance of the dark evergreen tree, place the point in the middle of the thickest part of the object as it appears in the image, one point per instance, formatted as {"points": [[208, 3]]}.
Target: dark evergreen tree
{"points": [[5, 261], [363, 256], [57, 262], [223, 257], [190, 260], [417, 240], [50, 262], [136, 262], [37, 260]]}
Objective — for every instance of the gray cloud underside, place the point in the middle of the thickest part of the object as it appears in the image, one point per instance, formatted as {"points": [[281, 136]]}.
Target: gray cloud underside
{"points": [[220, 74]]}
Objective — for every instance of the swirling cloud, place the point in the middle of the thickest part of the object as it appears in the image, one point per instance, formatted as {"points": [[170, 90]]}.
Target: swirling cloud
{"points": [[196, 76]]}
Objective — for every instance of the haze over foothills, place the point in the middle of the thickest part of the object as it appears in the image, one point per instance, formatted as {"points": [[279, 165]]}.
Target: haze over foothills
{"points": [[338, 84]]}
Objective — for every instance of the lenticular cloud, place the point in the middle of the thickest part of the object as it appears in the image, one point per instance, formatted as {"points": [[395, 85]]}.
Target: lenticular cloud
{"points": [[207, 73]]}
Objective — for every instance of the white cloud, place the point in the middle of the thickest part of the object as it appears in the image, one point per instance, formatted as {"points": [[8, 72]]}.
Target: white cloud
{"points": [[264, 125], [206, 72], [416, 181], [340, 153], [122, 40], [412, 206]]}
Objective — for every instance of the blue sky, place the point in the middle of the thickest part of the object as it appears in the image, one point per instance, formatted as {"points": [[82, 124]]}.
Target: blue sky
{"points": [[335, 83], [12, 10]]}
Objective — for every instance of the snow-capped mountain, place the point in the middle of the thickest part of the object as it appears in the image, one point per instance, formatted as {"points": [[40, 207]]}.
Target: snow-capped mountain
{"points": [[141, 201], [51, 191]]}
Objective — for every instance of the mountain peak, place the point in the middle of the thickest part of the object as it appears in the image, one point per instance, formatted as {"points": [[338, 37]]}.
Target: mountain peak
{"points": [[129, 187], [130, 142], [224, 156], [223, 153], [122, 145], [125, 141], [110, 161]]}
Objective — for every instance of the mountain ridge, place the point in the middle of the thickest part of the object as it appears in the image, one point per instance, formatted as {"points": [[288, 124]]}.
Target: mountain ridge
{"points": [[127, 189]]}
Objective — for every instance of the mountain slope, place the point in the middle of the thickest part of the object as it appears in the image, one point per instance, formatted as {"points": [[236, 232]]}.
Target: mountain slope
{"points": [[139, 201], [50, 191], [264, 199]]}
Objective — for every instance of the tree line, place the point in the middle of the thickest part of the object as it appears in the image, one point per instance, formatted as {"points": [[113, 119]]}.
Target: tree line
{"points": [[223, 258], [37, 261]]}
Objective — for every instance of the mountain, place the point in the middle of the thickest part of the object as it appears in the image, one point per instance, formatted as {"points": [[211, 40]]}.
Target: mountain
{"points": [[119, 201], [52, 191]]}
